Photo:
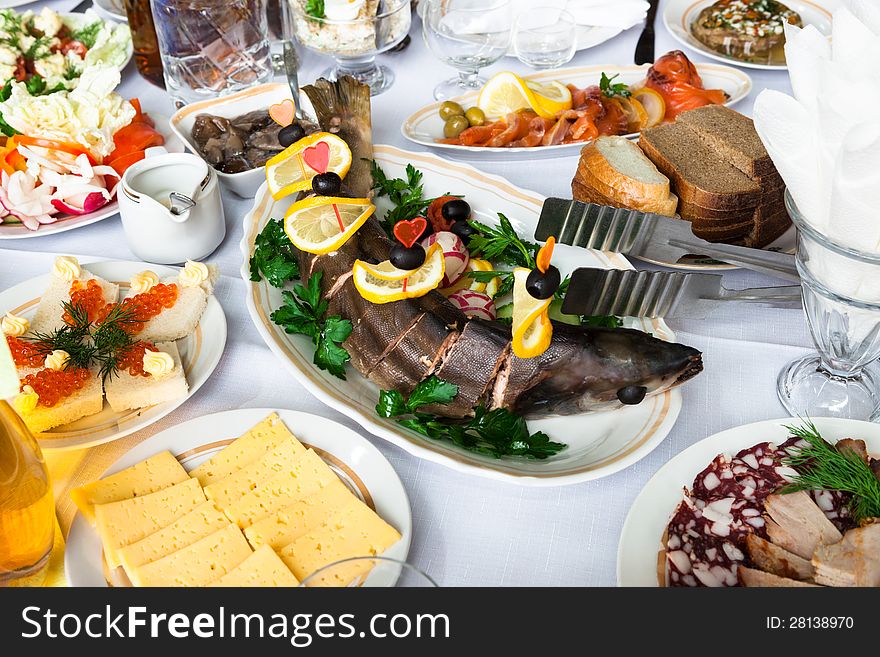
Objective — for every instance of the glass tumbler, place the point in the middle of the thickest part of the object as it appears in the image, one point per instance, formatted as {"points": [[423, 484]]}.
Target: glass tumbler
{"points": [[372, 572], [212, 47], [841, 291], [545, 37]]}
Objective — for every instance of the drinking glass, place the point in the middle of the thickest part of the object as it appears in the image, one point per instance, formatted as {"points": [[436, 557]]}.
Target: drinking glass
{"points": [[212, 48], [841, 290], [468, 35], [144, 41], [354, 43], [545, 37], [371, 572]]}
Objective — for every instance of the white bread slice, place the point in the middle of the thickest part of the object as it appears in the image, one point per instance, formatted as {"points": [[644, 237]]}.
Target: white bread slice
{"points": [[621, 166], [49, 313], [591, 186], [183, 317], [86, 401], [125, 391]]}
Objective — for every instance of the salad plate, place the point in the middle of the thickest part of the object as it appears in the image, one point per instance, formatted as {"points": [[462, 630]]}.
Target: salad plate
{"points": [[425, 127], [13, 231], [113, 9], [598, 443], [641, 537], [361, 466], [680, 15], [199, 352]]}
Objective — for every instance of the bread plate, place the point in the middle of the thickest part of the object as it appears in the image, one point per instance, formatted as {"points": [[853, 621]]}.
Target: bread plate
{"points": [[599, 443], [640, 539], [357, 462], [16, 231], [679, 15], [200, 353], [425, 126]]}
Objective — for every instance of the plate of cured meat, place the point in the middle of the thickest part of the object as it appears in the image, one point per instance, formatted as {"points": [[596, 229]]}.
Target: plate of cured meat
{"points": [[553, 113], [780, 503], [438, 369], [105, 349]]}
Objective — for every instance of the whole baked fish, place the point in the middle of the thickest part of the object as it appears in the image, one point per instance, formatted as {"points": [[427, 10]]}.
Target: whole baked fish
{"points": [[398, 344]]}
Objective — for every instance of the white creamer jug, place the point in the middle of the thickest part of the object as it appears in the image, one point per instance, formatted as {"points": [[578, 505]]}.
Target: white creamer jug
{"points": [[171, 208]]}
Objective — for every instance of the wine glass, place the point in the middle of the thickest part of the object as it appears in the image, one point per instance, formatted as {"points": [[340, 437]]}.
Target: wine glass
{"points": [[468, 35], [370, 572], [545, 37]]}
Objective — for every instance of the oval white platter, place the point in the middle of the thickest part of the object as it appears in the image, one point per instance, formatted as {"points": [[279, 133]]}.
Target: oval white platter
{"points": [[16, 231], [637, 552], [200, 353], [425, 126], [679, 15], [599, 443], [358, 463]]}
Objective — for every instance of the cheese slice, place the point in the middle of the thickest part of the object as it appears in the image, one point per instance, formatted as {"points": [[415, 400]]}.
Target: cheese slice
{"points": [[229, 489], [126, 521], [353, 531], [156, 473], [267, 435], [308, 475], [202, 521], [288, 524], [197, 564], [262, 568]]}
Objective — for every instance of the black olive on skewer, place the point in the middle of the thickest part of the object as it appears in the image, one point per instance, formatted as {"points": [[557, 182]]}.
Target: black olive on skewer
{"points": [[463, 229], [456, 210], [543, 285], [327, 184], [407, 258], [632, 395], [290, 134]]}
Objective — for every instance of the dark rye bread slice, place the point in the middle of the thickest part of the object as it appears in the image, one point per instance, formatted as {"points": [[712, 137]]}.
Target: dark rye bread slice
{"points": [[698, 173], [723, 232], [767, 231], [694, 212], [732, 135]]}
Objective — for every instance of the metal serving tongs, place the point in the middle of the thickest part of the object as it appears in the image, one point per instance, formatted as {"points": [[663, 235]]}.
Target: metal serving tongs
{"points": [[630, 293], [650, 236]]}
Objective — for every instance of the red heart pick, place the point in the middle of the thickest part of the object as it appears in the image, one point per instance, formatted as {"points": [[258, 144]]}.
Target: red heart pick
{"points": [[317, 156], [407, 231]]}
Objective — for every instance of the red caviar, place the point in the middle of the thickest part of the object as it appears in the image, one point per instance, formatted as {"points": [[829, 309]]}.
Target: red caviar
{"points": [[89, 297], [24, 353], [132, 360], [149, 304], [54, 385]]}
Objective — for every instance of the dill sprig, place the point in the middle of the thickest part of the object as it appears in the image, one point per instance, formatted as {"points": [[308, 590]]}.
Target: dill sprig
{"points": [[820, 466], [111, 338]]}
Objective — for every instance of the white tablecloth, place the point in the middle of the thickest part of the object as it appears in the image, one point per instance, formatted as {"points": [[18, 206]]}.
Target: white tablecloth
{"points": [[470, 531]]}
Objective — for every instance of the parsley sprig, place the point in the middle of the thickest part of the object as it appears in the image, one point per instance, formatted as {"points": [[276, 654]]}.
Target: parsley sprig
{"points": [[821, 466], [274, 256], [315, 8], [610, 89], [495, 433], [303, 313], [407, 196], [502, 244]]}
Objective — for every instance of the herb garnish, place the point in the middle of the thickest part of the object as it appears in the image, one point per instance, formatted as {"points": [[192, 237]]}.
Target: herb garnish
{"points": [[502, 244], [36, 86], [495, 433], [610, 90], [88, 34], [274, 256], [406, 195], [315, 8], [821, 466], [303, 313]]}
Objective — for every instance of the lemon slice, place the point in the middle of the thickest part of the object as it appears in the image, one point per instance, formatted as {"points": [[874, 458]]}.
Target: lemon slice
{"points": [[382, 283], [293, 168], [322, 224], [532, 329], [506, 92], [653, 103]]}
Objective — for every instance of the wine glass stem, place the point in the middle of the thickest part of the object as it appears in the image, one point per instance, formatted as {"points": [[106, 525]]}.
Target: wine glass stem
{"points": [[468, 79]]}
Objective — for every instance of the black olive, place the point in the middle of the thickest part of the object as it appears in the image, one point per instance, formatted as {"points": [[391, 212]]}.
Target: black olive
{"points": [[456, 210], [463, 229], [290, 134], [327, 184], [407, 258], [632, 395], [543, 285]]}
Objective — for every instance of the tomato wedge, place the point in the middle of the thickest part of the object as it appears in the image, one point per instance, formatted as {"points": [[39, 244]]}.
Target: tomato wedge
{"points": [[132, 140], [74, 149]]}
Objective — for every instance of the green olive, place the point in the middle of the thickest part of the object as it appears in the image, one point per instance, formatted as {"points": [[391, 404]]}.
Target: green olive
{"points": [[455, 126], [475, 116], [450, 109]]}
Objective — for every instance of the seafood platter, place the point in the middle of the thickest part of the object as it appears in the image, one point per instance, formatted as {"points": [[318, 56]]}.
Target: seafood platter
{"points": [[771, 504], [554, 113]]}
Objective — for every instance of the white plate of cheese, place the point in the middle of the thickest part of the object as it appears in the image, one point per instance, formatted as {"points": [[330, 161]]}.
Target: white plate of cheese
{"points": [[150, 530]]}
